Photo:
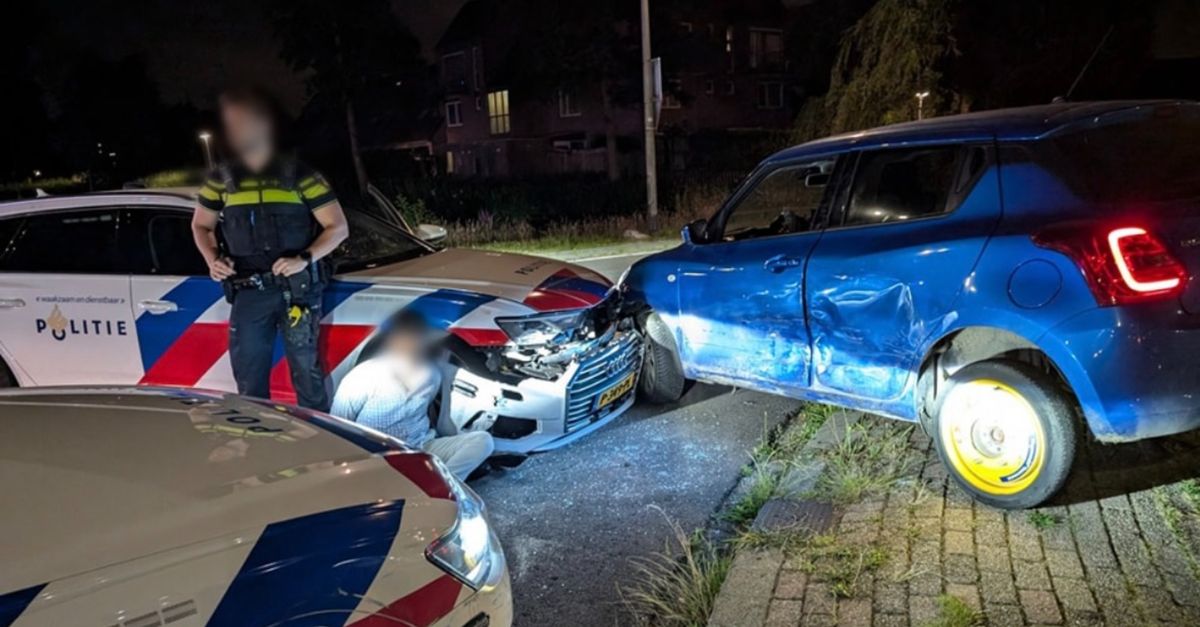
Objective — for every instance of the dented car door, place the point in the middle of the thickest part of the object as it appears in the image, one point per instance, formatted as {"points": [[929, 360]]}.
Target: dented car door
{"points": [[903, 240], [742, 290]]}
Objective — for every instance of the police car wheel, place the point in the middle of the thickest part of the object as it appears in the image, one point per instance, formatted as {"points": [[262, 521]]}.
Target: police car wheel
{"points": [[1006, 432], [662, 379]]}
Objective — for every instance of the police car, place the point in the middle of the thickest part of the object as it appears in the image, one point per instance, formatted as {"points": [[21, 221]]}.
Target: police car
{"points": [[138, 507], [108, 288]]}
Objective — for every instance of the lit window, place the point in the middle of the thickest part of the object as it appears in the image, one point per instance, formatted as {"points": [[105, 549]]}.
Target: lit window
{"points": [[770, 96], [568, 103], [450, 162], [498, 116], [453, 113], [766, 47], [671, 94]]}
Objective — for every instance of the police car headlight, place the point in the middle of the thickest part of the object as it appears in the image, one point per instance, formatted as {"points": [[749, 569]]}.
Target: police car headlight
{"points": [[470, 550], [541, 329]]}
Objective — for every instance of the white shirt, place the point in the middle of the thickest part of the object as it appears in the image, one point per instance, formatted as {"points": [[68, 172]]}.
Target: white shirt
{"points": [[391, 396]]}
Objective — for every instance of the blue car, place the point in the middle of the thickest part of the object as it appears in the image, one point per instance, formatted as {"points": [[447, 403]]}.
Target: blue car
{"points": [[1007, 279]]}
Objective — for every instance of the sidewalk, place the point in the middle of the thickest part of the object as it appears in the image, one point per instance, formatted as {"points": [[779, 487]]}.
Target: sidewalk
{"points": [[1119, 548]]}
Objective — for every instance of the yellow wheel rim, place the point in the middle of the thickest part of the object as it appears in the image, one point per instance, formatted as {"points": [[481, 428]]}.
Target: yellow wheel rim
{"points": [[992, 436]]}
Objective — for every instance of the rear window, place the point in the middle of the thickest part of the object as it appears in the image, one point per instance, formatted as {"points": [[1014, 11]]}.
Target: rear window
{"points": [[1155, 159]]}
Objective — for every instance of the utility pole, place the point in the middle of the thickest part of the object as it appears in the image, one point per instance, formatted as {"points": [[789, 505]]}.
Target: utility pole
{"points": [[649, 122]]}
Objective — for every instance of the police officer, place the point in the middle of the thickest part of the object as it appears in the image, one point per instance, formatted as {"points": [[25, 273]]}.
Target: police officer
{"points": [[263, 222]]}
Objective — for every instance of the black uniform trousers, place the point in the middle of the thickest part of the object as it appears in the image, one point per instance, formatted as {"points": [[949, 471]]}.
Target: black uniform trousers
{"points": [[257, 319]]}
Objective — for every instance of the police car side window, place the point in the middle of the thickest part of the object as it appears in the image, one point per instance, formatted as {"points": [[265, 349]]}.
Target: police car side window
{"points": [[69, 242], [172, 249]]}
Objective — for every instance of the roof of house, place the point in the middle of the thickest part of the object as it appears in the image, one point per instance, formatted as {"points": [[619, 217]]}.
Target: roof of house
{"points": [[1015, 124]]}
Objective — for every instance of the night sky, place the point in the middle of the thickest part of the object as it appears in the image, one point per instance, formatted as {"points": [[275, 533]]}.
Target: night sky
{"points": [[194, 49]]}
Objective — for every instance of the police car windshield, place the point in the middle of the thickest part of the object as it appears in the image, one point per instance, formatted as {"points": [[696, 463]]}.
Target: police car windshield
{"points": [[373, 243]]}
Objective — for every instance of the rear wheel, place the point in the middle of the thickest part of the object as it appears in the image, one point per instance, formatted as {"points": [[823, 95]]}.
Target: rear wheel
{"points": [[662, 379], [1006, 432]]}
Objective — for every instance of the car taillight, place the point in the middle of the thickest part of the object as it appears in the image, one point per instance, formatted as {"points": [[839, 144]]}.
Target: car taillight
{"points": [[1122, 265]]}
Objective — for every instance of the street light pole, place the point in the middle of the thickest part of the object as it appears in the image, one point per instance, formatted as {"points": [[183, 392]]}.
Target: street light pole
{"points": [[921, 96], [649, 122], [205, 138]]}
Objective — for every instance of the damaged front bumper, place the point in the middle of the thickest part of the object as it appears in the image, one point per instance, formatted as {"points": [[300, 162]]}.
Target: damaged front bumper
{"points": [[528, 413]]}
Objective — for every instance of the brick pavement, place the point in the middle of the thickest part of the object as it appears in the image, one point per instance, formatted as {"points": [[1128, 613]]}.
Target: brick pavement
{"points": [[1119, 547]]}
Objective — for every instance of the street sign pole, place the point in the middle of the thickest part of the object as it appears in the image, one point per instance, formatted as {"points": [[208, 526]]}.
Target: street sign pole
{"points": [[650, 121]]}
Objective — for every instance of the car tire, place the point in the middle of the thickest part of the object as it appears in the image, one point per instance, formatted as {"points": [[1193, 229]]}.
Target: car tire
{"points": [[662, 379], [1006, 432]]}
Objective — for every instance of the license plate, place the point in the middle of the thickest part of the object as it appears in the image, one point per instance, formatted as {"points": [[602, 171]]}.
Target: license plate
{"points": [[616, 391]]}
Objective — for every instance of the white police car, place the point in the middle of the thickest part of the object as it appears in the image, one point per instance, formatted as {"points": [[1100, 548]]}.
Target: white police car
{"points": [[143, 506], [107, 288]]}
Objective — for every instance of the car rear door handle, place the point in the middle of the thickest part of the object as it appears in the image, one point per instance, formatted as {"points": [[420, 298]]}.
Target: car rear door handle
{"points": [[11, 303], [779, 263], [158, 307]]}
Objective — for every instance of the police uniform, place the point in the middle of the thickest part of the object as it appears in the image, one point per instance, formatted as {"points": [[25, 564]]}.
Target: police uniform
{"points": [[264, 217]]}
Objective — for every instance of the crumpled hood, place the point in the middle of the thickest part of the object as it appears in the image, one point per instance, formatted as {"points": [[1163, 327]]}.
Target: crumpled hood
{"points": [[542, 284]]}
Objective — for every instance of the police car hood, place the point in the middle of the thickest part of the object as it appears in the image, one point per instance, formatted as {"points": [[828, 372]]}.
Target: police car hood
{"points": [[94, 477], [542, 284]]}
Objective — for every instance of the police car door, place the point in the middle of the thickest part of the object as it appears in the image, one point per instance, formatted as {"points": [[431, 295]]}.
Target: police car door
{"points": [[65, 314], [182, 319]]}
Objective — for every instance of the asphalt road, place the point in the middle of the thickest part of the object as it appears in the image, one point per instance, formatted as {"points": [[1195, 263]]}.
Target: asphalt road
{"points": [[571, 519]]}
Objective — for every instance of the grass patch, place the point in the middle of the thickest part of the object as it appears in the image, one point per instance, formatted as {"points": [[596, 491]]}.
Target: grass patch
{"points": [[677, 586], [1041, 520], [842, 566], [771, 458], [1174, 517], [1190, 488], [953, 612], [789, 444], [762, 488], [866, 462], [567, 242]]}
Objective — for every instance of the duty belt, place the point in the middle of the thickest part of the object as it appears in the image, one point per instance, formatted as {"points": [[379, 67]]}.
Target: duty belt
{"points": [[258, 281]]}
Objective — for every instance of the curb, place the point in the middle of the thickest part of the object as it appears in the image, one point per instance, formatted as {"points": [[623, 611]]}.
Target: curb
{"points": [[746, 592]]}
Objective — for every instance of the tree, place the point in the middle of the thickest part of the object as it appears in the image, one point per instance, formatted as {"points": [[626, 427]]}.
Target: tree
{"points": [[348, 50], [899, 48], [578, 44]]}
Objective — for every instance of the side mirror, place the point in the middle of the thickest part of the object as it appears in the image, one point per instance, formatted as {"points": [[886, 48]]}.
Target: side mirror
{"points": [[431, 234], [696, 232]]}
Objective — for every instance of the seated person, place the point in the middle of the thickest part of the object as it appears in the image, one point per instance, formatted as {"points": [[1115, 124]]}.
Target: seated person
{"points": [[393, 392]]}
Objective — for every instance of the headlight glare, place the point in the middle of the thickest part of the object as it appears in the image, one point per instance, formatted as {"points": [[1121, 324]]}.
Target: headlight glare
{"points": [[469, 549]]}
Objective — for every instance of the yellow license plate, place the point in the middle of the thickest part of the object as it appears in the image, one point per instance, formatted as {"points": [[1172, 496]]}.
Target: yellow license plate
{"points": [[616, 391]]}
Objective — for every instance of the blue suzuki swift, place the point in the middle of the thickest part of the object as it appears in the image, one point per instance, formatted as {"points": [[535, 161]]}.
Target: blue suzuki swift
{"points": [[1004, 278]]}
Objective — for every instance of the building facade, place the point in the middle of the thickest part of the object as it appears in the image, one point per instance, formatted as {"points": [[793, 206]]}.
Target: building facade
{"points": [[723, 70]]}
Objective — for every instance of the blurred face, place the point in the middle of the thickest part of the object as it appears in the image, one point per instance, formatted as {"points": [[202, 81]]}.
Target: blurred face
{"points": [[249, 134], [407, 345]]}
